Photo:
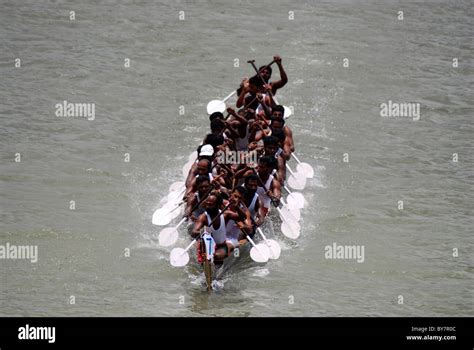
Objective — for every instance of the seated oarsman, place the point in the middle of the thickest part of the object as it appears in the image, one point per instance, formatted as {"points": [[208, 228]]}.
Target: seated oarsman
{"points": [[266, 103], [278, 123], [205, 152], [203, 168], [258, 130], [203, 185], [280, 136], [269, 188], [252, 200], [214, 140], [213, 214], [271, 148], [237, 230], [216, 115], [241, 124], [248, 90], [218, 127]]}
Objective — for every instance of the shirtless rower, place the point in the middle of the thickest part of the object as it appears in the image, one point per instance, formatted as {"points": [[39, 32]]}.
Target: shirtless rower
{"points": [[254, 84]]}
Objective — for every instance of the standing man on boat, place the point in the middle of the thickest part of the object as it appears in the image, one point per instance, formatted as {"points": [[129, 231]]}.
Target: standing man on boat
{"points": [[255, 85]]}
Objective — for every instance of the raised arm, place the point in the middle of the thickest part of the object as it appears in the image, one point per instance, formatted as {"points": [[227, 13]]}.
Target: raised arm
{"points": [[283, 77]]}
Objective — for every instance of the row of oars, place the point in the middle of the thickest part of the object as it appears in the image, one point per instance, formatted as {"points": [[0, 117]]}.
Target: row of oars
{"points": [[172, 206]]}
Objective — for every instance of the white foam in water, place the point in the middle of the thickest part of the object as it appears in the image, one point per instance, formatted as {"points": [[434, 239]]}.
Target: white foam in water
{"points": [[317, 180], [261, 272]]}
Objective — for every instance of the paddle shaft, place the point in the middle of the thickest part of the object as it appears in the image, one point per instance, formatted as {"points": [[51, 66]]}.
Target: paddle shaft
{"points": [[294, 156], [259, 230], [256, 247], [272, 198], [252, 62], [202, 199], [200, 236], [289, 169], [229, 96]]}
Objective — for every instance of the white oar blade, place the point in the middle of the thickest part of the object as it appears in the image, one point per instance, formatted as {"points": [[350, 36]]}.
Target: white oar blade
{"points": [[179, 257], [305, 169], [291, 214], [176, 186], [186, 168], [192, 157], [174, 198], [295, 199], [215, 106], [287, 113], [297, 182], [168, 236], [161, 217], [260, 253], [290, 229], [274, 248], [295, 213]]}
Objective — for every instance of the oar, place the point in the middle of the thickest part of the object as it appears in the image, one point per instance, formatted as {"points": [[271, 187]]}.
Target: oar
{"points": [[175, 196], [163, 216], [176, 186], [166, 218], [289, 227], [169, 235], [179, 256], [273, 246], [218, 105], [259, 252], [186, 168], [304, 168], [193, 156], [293, 211], [287, 112], [295, 198], [296, 180]]}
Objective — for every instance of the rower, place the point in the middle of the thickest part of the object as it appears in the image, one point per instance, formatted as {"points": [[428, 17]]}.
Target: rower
{"points": [[252, 199], [264, 171], [266, 73], [272, 149], [237, 230], [278, 123], [217, 230], [203, 184], [255, 84], [205, 151], [241, 124], [216, 115], [203, 167]]}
